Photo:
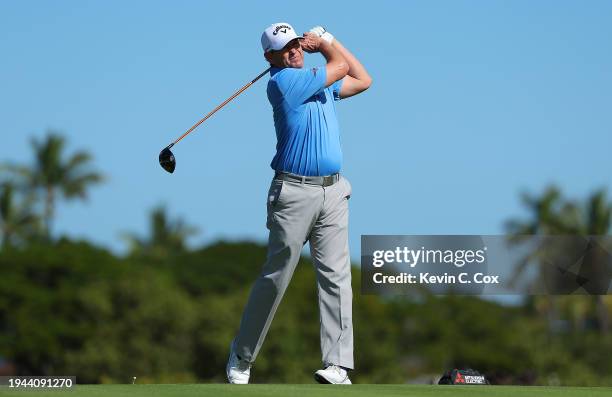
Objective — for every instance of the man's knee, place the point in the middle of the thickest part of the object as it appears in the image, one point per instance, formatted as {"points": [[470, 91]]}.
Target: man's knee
{"points": [[282, 257]]}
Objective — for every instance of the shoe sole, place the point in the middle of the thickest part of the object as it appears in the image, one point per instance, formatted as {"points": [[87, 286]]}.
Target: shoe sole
{"points": [[320, 379], [324, 381]]}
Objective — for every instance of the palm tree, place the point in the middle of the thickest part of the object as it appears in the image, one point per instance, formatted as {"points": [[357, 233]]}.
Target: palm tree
{"points": [[544, 217], [53, 174], [594, 220], [18, 222], [166, 236], [552, 215], [549, 215]]}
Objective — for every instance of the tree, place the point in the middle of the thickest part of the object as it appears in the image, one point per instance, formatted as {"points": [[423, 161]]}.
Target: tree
{"points": [[53, 174], [166, 236], [18, 222], [553, 215], [544, 217], [593, 219], [548, 216]]}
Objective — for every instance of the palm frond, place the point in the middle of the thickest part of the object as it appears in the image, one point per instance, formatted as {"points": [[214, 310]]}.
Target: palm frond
{"points": [[77, 186], [77, 161]]}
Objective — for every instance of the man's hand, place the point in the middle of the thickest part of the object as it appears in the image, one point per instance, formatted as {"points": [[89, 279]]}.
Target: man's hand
{"points": [[322, 33], [336, 67], [311, 43]]}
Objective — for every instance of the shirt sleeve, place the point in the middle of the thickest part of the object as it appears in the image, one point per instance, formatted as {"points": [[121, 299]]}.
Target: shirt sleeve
{"points": [[336, 89], [297, 85]]}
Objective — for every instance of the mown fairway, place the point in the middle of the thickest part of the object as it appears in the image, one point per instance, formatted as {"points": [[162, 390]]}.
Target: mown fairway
{"points": [[219, 390]]}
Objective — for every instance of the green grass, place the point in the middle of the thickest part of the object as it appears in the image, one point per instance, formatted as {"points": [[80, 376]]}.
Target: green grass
{"points": [[220, 390]]}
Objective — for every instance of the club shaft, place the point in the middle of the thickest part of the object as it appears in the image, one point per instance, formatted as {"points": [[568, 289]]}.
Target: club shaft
{"points": [[220, 106]]}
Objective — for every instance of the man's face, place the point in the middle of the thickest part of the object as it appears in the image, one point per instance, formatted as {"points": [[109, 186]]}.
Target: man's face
{"points": [[291, 56]]}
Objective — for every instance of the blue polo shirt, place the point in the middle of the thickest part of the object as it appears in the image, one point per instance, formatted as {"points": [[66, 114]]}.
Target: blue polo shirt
{"points": [[307, 132]]}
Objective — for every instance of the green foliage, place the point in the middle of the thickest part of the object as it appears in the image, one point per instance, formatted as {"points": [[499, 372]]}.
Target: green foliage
{"points": [[18, 222], [552, 214], [467, 332], [166, 313], [142, 327], [167, 237], [70, 307]]}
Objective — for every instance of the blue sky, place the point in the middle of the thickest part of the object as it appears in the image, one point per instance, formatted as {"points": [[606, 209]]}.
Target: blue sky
{"points": [[472, 103]]}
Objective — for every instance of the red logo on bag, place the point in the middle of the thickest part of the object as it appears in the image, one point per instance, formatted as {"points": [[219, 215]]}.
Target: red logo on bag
{"points": [[459, 378]]}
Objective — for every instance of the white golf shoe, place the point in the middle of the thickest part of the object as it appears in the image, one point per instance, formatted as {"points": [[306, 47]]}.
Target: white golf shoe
{"points": [[238, 371], [333, 374]]}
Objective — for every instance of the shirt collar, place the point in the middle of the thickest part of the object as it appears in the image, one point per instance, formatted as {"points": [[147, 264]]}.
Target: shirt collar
{"points": [[274, 70]]}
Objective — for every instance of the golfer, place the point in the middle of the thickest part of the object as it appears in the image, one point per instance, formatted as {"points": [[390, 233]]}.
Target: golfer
{"points": [[308, 198]]}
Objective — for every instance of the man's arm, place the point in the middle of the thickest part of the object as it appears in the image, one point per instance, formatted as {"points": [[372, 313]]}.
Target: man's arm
{"points": [[357, 79], [337, 67]]}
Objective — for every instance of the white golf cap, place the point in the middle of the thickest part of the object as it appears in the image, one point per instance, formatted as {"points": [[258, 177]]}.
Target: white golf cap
{"points": [[277, 35]]}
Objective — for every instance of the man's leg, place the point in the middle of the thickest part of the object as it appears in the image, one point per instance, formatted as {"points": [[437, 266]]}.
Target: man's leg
{"points": [[330, 254], [292, 210]]}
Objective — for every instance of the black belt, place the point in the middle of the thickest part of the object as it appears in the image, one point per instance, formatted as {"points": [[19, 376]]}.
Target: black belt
{"points": [[324, 181]]}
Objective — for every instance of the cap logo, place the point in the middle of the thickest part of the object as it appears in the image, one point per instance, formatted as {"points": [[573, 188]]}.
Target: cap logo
{"points": [[279, 27]]}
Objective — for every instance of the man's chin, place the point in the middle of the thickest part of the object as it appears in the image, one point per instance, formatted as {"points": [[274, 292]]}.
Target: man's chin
{"points": [[296, 65]]}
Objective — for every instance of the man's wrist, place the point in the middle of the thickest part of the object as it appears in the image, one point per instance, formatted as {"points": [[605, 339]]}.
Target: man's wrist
{"points": [[324, 46], [323, 33], [328, 37]]}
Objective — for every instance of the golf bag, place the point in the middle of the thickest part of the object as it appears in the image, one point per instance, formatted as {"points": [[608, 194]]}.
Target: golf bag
{"points": [[463, 377]]}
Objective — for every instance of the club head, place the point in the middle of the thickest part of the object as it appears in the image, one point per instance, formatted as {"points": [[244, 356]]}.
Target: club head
{"points": [[167, 160]]}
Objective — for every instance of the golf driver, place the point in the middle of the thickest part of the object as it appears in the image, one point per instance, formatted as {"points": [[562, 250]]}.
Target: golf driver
{"points": [[167, 159]]}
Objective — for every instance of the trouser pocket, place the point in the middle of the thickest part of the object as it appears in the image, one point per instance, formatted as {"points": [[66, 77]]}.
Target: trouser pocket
{"points": [[348, 189], [274, 195]]}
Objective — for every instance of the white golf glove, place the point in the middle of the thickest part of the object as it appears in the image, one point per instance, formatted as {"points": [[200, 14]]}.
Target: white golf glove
{"points": [[322, 33]]}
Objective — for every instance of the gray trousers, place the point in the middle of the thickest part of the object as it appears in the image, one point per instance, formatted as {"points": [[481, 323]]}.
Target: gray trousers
{"points": [[298, 213]]}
